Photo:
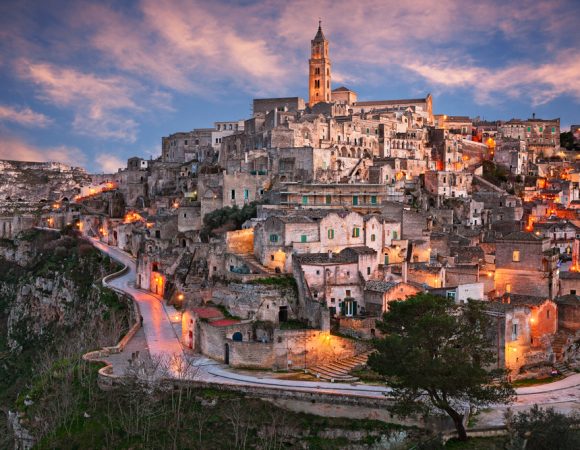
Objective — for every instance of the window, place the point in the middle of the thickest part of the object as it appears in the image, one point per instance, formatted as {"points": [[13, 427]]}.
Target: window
{"points": [[516, 256], [514, 331], [541, 129], [332, 300], [158, 234], [451, 295], [303, 238], [316, 84], [373, 238], [572, 291], [368, 270], [386, 259], [373, 199], [356, 232], [553, 129], [330, 233], [328, 199], [233, 194], [548, 314], [246, 194], [355, 200], [304, 200], [273, 238], [395, 235], [508, 288], [529, 129], [348, 293], [318, 272], [272, 257]]}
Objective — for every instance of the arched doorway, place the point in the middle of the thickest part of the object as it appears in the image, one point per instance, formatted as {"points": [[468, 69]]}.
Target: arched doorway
{"points": [[227, 354], [237, 337]]}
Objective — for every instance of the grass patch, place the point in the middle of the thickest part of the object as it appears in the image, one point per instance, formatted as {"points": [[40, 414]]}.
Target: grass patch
{"points": [[479, 443], [293, 324], [536, 381]]}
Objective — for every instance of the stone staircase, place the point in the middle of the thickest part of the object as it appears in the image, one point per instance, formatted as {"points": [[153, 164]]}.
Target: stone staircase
{"points": [[339, 370], [563, 369], [255, 266], [559, 344]]}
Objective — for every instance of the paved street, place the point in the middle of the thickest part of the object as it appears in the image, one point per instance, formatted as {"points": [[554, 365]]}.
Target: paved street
{"points": [[161, 340]]}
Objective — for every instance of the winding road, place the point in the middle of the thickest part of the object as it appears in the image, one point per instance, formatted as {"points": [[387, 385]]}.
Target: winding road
{"points": [[162, 341]]}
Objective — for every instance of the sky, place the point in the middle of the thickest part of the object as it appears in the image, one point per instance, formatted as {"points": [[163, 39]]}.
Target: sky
{"points": [[92, 83]]}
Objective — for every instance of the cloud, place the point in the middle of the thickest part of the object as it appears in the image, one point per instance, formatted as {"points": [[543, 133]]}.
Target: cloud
{"points": [[186, 46], [109, 163], [98, 102], [15, 148], [24, 116], [540, 83]]}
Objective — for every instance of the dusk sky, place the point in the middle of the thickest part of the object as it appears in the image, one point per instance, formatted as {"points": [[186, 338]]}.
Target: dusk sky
{"points": [[93, 83]]}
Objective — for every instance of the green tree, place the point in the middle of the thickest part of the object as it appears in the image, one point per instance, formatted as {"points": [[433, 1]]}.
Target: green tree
{"points": [[539, 429], [232, 216], [436, 355]]}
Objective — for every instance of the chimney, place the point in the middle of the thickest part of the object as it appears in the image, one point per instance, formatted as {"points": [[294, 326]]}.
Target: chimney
{"points": [[404, 271], [533, 115]]}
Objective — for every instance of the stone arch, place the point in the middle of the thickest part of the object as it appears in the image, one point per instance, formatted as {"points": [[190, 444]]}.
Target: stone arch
{"points": [[352, 152], [237, 337], [358, 153], [343, 152]]}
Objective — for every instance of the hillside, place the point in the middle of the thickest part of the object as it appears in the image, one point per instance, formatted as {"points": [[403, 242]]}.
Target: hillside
{"points": [[25, 184]]}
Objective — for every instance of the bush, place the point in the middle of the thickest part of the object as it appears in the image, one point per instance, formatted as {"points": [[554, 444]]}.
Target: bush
{"points": [[233, 216]]}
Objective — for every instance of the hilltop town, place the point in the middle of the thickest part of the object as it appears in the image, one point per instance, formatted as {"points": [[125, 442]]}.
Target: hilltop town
{"points": [[276, 242]]}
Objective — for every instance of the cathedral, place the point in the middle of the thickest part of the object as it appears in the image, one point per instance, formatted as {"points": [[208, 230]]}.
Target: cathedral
{"points": [[320, 90]]}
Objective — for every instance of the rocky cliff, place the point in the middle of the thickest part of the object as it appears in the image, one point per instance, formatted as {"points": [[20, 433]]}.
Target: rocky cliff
{"points": [[52, 306], [23, 184]]}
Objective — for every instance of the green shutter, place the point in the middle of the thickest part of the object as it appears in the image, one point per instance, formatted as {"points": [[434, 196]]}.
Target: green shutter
{"points": [[304, 200], [303, 238], [355, 200], [328, 199], [354, 305], [386, 259], [373, 199], [330, 233], [395, 235], [342, 308]]}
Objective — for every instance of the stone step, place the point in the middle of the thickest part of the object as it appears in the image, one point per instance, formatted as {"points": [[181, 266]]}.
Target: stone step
{"points": [[563, 369], [332, 377], [339, 368]]}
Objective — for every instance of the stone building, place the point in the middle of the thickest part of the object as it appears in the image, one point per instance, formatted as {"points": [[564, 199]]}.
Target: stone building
{"points": [[445, 184], [526, 264], [319, 87], [378, 294], [522, 333], [542, 136]]}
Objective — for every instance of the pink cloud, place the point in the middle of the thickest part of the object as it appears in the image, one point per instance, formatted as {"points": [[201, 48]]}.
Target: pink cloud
{"points": [[540, 83], [97, 101], [23, 116], [15, 148], [109, 163]]}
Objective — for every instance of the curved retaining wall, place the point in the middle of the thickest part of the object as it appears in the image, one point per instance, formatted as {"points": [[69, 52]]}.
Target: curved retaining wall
{"points": [[99, 356]]}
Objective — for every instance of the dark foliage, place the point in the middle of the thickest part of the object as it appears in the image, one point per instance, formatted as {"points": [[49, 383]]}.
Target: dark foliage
{"points": [[435, 355]]}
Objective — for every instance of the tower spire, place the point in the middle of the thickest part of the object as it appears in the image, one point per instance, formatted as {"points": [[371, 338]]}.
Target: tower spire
{"points": [[319, 73], [319, 34]]}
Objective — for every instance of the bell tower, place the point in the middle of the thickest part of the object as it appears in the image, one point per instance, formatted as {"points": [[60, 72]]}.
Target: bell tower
{"points": [[319, 75]]}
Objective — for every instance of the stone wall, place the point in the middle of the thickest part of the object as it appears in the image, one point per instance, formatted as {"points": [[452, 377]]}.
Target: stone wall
{"points": [[240, 241], [256, 301]]}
